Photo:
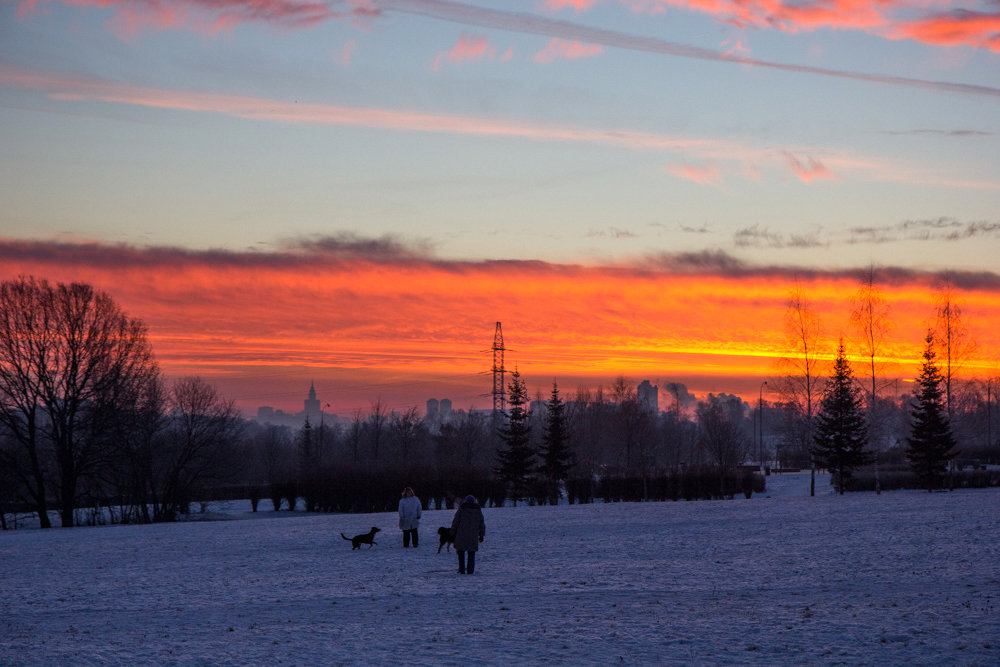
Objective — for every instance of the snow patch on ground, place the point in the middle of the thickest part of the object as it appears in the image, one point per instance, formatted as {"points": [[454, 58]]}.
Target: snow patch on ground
{"points": [[900, 578]]}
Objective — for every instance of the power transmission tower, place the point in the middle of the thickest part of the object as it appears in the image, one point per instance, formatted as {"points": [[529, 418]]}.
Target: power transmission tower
{"points": [[499, 393]]}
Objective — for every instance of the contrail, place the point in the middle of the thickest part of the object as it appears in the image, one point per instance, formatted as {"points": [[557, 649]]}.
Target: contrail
{"points": [[550, 27]]}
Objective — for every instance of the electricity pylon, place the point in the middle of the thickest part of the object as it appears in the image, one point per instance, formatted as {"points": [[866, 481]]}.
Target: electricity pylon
{"points": [[499, 393]]}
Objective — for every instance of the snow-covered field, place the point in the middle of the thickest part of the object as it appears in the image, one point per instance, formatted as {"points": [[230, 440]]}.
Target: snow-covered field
{"points": [[901, 578]]}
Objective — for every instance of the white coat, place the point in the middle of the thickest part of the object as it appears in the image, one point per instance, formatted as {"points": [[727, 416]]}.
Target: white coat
{"points": [[409, 513]]}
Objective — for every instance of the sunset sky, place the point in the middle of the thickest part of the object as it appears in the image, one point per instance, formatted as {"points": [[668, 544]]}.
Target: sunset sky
{"points": [[353, 193]]}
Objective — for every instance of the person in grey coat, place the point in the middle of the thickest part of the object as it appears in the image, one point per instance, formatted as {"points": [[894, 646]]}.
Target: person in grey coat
{"points": [[409, 517], [468, 528]]}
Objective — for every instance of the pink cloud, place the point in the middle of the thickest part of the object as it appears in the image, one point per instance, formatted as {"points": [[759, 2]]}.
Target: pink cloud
{"points": [[704, 149], [208, 16], [892, 19], [704, 175], [781, 14], [576, 5], [558, 49], [346, 52], [468, 48], [737, 49], [809, 170], [920, 20]]}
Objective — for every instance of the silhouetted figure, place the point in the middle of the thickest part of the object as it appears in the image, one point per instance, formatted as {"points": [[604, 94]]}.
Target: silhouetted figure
{"points": [[469, 529]]}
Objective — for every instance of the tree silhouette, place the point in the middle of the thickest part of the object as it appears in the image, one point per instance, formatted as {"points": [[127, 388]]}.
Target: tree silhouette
{"points": [[800, 383], [722, 437], [870, 317], [71, 364], [841, 434], [555, 455], [931, 443], [515, 459], [952, 336]]}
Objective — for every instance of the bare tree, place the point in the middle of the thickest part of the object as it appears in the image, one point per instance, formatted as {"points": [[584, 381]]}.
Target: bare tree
{"points": [[24, 337], [801, 382], [197, 447], [135, 440], [951, 334], [724, 439], [472, 437], [71, 360], [378, 420], [870, 318], [407, 429], [354, 435], [275, 451]]}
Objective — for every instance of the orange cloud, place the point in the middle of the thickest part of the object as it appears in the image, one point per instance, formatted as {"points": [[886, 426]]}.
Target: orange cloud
{"points": [[558, 49], [379, 319], [957, 28], [887, 18]]}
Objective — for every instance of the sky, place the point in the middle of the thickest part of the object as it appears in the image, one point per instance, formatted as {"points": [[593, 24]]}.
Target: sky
{"points": [[354, 193]]}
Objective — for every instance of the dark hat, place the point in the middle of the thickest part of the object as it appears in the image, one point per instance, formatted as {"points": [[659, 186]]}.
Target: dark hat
{"points": [[470, 499]]}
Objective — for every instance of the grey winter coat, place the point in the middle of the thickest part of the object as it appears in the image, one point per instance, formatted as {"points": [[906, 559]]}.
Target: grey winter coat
{"points": [[409, 513], [468, 527]]}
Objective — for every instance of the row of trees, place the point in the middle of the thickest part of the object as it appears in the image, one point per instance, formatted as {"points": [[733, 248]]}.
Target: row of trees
{"points": [[85, 415], [840, 440], [855, 421], [87, 419]]}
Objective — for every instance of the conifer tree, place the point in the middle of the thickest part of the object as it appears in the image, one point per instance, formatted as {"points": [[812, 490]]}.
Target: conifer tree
{"points": [[555, 455], [515, 458], [841, 433], [931, 443]]}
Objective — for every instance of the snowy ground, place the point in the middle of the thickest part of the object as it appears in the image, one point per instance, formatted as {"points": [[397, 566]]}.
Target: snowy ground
{"points": [[901, 578]]}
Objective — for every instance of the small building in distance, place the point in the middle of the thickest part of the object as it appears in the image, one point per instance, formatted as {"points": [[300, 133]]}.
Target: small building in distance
{"points": [[312, 409], [648, 396]]}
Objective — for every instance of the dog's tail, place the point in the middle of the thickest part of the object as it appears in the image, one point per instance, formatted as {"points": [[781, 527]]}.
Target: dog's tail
{"points": [[345, 537]]}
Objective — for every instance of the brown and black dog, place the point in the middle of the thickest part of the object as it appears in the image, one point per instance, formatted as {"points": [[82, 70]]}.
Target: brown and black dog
{"points": [[447, 539], [365, 538]]}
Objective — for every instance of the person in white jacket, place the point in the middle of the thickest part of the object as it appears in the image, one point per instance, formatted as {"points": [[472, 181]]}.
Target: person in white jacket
{"points": [[409, 516]]}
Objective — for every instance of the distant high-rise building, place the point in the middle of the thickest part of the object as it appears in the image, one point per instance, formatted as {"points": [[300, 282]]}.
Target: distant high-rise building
{"points": [[445, 408], [312, 409], [432, 408], [648, 396]]}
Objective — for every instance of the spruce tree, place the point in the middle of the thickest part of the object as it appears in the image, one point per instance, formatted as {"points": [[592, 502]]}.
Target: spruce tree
{"points": [[841, 433], [555, 455], [515, 458], [931, 443]]}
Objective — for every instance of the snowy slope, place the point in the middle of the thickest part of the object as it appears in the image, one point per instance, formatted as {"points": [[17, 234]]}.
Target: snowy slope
{"points": [[901, 578]]}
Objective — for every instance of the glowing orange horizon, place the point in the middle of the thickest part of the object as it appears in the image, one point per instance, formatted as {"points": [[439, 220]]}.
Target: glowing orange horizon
{"points": [[395, 322]]}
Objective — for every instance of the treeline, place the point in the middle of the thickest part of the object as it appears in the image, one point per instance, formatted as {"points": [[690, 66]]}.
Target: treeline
{"points": [[90, 430], [350, 490]]}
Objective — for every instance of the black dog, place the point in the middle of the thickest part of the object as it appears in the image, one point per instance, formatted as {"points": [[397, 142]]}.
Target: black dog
{"points": [[447, 539], [365, 538]]}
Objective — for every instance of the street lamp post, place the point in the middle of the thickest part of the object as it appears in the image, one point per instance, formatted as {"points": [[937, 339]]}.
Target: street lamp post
{"points": [[760, 413], [321, 426]]}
